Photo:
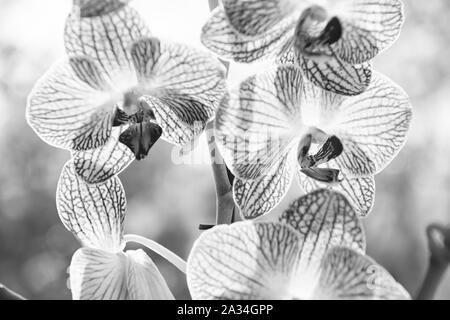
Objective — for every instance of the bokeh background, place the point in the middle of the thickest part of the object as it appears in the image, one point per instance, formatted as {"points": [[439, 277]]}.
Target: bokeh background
{"points": [[167, 201]]}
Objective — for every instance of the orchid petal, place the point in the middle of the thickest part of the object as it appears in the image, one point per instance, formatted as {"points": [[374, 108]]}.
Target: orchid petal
{"points": [[184, 86], [245, 261], [257, 126], [348, 275], [145, 282], [92, 8], [336, 75], [258, 197], [360, 192], [98, 275], [99, 165], [372, 127], [94, 213], [107, 39], [254, 17], [71, 106], [368, 27], [219, 36], [324, 219]]}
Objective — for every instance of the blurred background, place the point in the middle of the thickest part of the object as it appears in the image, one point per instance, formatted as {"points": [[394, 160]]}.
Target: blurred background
{"points": [[166, 201]]}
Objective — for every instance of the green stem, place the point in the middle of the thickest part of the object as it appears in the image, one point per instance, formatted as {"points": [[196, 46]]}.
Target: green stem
{"points": [[435, 274], [159, 249], [7, 294]]}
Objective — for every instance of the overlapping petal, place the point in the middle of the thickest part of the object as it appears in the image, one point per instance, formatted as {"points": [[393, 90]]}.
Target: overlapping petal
{"points": [[100, 164], [254, 17], [245, 261], [360, 192], [93, 8], [368, 27], [372, 127], [222, 38], [107, 39], [94, 213], [101, 275], [348, 275], [336, 75], [71, 106], [257, 126], [184, 86], [258, 197]]}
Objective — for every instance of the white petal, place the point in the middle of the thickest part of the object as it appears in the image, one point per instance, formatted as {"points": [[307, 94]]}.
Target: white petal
{"points": [[99, 165], [92, 8], [244, 261], [71, 106], [348, 275], [94, 213], [145, 282], [98, 275]]}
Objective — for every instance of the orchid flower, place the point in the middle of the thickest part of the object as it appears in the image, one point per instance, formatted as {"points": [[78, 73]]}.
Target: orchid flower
{"points": [[315, 251], [277, 125], [333, 41], [101, 269], [120, 89]]}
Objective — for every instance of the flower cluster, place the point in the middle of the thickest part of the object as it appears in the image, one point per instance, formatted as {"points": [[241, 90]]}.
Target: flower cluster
{"points": [[319, 113]]}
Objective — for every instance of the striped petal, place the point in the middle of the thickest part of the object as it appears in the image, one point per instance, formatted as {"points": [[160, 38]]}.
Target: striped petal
{"points": [[107, 39], [257, 126], [324, 219], [258, 197], [99, 165], [144, 280], [336, 75], [222, 38], [71, 106], [93, 8], [348, 275], [360, 192], [245, 261], [372, 127], [185, 86], [254, 17], [368, 27], [98, 275], [94, 213]]}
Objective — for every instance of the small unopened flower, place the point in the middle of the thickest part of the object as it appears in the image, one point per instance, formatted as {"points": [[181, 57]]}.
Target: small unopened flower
{"points": [[278, 125], [333, 40], [101, 269], [120, 89], [315, 251]]}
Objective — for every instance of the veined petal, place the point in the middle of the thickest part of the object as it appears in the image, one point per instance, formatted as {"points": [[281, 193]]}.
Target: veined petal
{"points": [[144, 280], [98, 275], [92, 8], [324, 219], [219, 36], [254, 17], [71, 106], [348, 275], [94, 213], [368, 27], [336, 75], [244, 261], [360, 192], [107, 39], [99, 165], [184, 86], [257, 126], [258, 197], [372, 127]]}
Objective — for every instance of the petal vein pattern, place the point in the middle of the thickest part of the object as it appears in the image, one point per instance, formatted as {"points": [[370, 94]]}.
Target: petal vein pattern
{"points": [[94, 213]]}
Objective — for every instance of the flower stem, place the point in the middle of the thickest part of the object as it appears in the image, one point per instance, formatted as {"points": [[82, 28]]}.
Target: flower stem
{"points": [[7, 294], [439, 246], [159, 249], [226, 210]]}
